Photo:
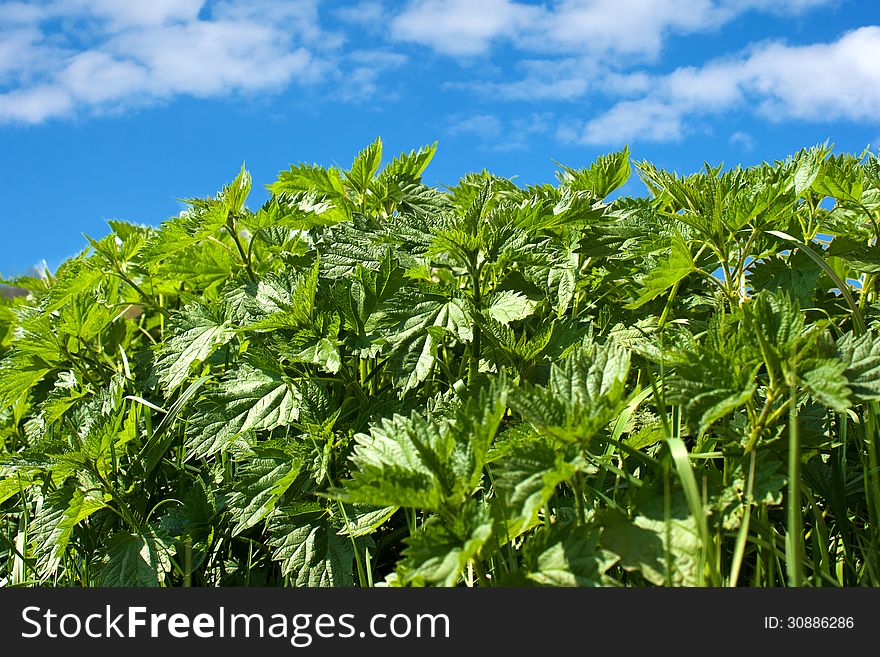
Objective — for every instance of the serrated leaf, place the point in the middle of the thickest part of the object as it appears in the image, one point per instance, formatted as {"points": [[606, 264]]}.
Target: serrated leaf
{"points": [[205, 265], [260, 485], [413, 343], [19, 373], [12, 484], [861, 358], [584, 393], [859, 255], [568, 556], [796, 274], [194, 334], [309, 548], [665, 550], [807, 172], [235, 193], [250, 398], [309, 178], [365, 520], [134, 560], [672, 269], [412, 462], [525, 480], [62, 510], [411, 165], [826, 382], [365, 166], [605, 175], [438, 554], [194, 517], [711, 384], [509, 306]]}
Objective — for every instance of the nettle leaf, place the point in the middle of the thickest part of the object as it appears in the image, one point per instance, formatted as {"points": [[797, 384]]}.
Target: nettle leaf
{"points": [[61, 511], [861, 358], [795, 273], [236, 193], [307, 178], [711, 384], [276, 301], [858, 254], [362, 521], [410, 165], [606, 174], [438, 554], [568, 556], [584, 393], [509, 306], [664, 549], [826, 382], [672, 269], [368, 291], [260, 485], [12, 483], [778, 323], [841, 178], [194, 517], [413, 343], [284, 218], [75, 277], [412, 462], [767, 488], [134, 560], [307, 544], [525, 480], [249, 398], [388, 467], [19, 372], [344, 247], [194, 334], [808, 170], [314, 348], [205, 265], [365, 166]]}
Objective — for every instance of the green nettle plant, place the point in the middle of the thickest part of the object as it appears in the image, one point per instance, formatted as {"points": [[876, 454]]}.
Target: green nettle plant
{"points": [[372, 382]]}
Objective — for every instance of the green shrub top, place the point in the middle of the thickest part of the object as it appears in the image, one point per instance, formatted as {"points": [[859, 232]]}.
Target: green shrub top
{"points": [[372, 381]]}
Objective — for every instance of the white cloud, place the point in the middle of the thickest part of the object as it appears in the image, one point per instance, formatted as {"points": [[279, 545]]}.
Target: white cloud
{"points": [[628, 27], [484, 126], [839, 80], [22, 55], [564, 79], [126, 13], [361, 81], [34, 104], [369, 13], [627, 121], [205, 58], [599, 28], [461, 27], [16, 13], [819, 82], [743, 140], [96, 77], [501, 135], [129, 54]]}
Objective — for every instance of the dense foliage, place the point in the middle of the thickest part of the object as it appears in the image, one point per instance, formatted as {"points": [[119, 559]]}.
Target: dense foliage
{"points": [[369, 381]]}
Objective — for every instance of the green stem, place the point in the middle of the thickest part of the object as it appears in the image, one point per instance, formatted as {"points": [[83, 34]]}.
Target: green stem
{"points": [[230, 228], [474, 368], [794, 521], [742, 537]]}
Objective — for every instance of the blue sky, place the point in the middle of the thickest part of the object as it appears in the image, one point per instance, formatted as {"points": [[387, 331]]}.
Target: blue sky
{"points": [[113, 109]]}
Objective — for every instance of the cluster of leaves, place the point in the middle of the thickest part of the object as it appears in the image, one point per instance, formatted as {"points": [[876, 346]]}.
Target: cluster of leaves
{"points": [[370, 381]]}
